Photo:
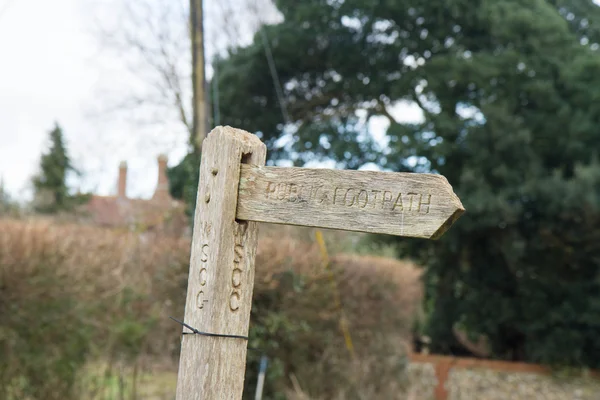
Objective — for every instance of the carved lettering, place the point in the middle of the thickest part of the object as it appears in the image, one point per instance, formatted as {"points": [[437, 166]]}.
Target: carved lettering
{"points": [[271, 188], [351, 197], [204, 253], [236, 278], [207, 227], [387, 197], [411, 195], [238, 270], [324, 197], [422, 203], [366, 199], [294, 194], [314, 192], [203, 274], [398, 203], [281, 191], [335, 193], [376, 194], [200, 300], [238, 253], [240, 229], [234, 301]]}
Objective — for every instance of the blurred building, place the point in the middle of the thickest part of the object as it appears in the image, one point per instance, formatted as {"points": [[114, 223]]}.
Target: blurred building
{"points": [[161, 213]]}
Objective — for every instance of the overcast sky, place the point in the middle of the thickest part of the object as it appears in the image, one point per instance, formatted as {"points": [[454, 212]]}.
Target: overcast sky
{"points": [[53, 69]]}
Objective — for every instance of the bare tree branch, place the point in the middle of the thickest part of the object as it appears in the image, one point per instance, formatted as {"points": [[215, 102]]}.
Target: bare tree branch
{"points": [[151, 39]]}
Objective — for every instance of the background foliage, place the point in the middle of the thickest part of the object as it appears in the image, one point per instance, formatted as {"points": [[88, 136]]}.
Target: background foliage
{"points": [[52, 193], [83, 332], [508, 93]]}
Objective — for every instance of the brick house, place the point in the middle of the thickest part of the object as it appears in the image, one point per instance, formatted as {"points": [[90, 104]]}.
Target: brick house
{"points": [[161, 213]]}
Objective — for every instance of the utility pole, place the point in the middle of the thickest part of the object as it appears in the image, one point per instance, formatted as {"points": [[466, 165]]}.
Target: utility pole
{"points": [[199, 110]]}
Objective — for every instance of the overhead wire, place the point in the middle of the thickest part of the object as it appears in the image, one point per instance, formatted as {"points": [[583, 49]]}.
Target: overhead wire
{"points": [[344, 327], [234, 39], [274, 75]]}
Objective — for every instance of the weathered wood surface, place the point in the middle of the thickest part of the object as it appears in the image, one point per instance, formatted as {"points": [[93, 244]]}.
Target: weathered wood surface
{"points": [[221, 275], [403, 204]]}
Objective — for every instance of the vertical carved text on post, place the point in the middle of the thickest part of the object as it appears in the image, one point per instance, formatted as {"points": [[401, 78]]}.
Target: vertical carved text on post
{"points": [[237, 272], [203, 276]]}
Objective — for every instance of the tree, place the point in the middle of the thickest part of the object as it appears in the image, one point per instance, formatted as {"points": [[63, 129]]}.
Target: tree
{"points": [[508, 92], [152, 39], [183, 181], [51, 190], [7, 205]]}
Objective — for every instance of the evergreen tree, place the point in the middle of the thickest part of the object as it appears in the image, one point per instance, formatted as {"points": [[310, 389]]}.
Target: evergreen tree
{"points": [[509, 92], [183, 181], [7, 205], [51, 191], [4, 197]]}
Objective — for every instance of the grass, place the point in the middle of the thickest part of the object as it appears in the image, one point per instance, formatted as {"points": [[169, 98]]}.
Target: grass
{"points": [[100, 382]]}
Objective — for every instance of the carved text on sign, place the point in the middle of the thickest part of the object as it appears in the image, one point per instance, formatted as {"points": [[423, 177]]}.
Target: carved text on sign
{"points": [[350, 197], [240, 230], [207, 228], [200, 300]]}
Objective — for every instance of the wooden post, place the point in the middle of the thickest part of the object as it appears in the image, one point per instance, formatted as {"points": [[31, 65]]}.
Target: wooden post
{"points": [[221, 276]]}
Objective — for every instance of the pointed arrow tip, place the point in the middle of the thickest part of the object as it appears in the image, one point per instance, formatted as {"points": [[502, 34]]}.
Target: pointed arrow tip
{"points": [[460, 210]]}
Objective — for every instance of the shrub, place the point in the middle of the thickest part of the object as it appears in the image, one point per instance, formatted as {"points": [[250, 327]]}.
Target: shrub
{"points": [[71, 294], [295, 322], [44, 336], [76, 296]]}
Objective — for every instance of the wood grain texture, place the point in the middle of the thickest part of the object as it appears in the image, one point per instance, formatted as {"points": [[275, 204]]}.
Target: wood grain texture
{"points": [[403, 204], [221, 276]]}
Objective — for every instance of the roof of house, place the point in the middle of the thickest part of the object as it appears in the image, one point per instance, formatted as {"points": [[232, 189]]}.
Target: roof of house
{"points": [[115, 211], [120, 211]]}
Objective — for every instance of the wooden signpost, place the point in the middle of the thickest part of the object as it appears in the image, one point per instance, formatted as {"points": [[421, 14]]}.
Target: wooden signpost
{"points": [[235, 192]]}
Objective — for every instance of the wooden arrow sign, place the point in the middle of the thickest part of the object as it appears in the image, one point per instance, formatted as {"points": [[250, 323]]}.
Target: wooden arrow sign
{"points": [[403, 204]]}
